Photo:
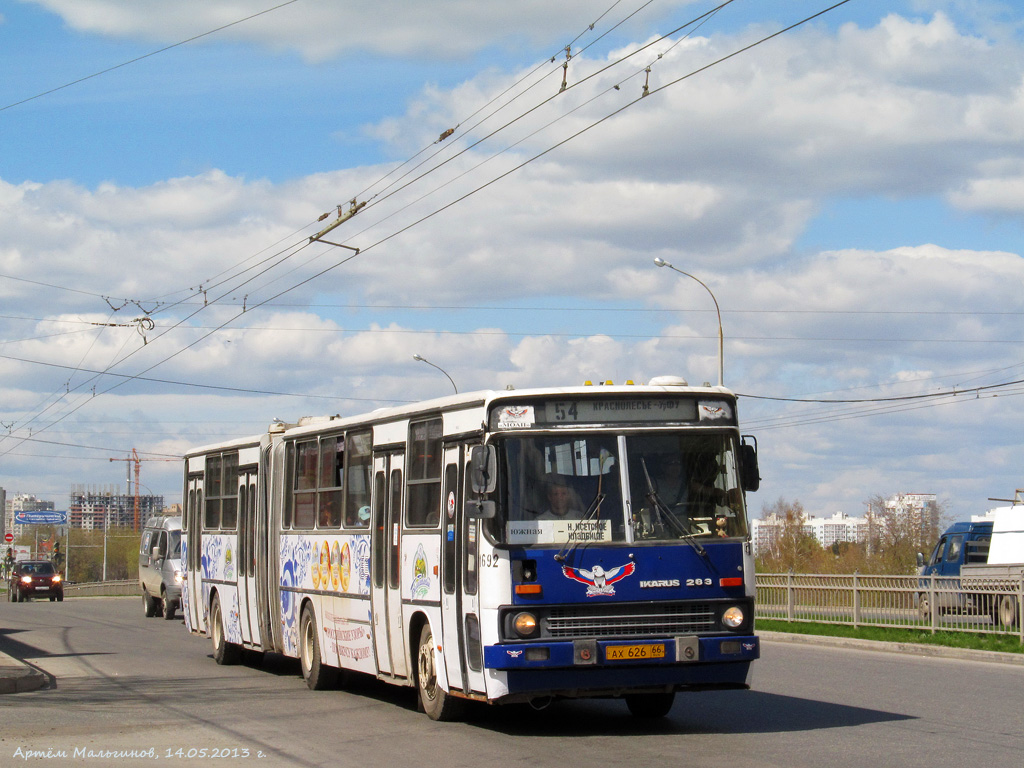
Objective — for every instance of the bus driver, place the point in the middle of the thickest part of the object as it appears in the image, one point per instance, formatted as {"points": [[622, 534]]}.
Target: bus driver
{"points": [[562, 500]]}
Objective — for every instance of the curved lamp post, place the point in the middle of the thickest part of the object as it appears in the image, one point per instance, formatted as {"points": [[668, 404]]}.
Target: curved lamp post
{"points": [[422, 359], [721, 354]]}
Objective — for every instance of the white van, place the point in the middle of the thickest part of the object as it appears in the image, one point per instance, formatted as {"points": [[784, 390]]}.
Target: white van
{"points": [[160, 574]]}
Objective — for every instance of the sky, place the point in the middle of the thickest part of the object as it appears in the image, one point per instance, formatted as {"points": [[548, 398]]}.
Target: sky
{"points": [[850, 191]]}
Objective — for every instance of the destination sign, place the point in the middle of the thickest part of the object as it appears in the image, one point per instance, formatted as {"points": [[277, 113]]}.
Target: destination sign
{"points": [[559, 531], [618, 410], [612, 410]]}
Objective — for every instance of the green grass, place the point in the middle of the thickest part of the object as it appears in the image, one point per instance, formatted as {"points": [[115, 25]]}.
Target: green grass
{"points": [[979, 642]]}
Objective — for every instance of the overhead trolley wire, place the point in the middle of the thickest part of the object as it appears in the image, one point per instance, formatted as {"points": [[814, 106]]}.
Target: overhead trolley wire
{"points": [[145, 56], [457, 200]]}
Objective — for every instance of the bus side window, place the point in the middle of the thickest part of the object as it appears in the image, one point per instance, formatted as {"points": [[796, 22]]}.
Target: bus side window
{"points": [[424, 473], [394, 538], [380, 535], [471, 528], [357, 482], [448, 542]]}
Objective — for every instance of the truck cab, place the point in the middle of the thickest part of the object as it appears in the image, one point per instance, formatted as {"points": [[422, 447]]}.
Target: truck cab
{"points": [[939, 584], [962, 543]]}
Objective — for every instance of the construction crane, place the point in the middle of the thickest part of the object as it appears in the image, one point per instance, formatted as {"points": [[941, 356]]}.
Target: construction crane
{"points": [[135, 458]]}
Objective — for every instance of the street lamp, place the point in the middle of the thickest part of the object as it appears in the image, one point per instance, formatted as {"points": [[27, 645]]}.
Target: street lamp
{"points": [[721, 354], [442, 370]]}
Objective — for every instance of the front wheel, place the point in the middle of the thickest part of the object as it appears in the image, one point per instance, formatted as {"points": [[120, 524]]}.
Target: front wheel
{"points": [[1006, 613], [650, 705], [169, 606], [436, 702], [318, 675], [148, 603], [924, 610], [223, 652]]}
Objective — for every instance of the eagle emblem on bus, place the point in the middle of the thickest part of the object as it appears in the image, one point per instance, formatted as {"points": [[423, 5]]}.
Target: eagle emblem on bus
{"points": [[599, 581]]}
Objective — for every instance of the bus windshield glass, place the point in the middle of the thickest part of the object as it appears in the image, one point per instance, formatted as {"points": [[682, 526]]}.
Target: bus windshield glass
{"points": [[606, 487]]}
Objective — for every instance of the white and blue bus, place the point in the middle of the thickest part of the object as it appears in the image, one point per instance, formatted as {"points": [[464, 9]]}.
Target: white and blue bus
{"points": [[499, 546]]}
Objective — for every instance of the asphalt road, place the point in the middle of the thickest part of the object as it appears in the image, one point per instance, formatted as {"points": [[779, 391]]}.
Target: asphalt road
{"points": [[121, 682]]}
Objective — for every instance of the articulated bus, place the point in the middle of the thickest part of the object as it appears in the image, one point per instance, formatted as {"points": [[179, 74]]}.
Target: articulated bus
{"points": [[505, 546]]}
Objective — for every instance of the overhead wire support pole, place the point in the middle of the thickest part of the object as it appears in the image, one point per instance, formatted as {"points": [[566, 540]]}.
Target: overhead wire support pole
{"points": [[354, 208]]}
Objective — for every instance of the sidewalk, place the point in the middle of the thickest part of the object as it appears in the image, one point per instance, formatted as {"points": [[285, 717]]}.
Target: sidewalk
{"points": [[913, 649], [18, 677]]}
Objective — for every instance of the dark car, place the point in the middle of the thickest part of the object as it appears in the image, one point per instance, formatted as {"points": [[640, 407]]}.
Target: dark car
{"points": [[35, 578]]}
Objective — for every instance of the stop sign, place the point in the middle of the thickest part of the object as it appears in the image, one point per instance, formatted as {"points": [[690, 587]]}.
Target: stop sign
{"points": [[8, 537]]}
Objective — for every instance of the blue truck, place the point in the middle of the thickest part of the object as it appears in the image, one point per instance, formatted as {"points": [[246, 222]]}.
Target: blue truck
{"points": [[978, 568], [961, 544]]}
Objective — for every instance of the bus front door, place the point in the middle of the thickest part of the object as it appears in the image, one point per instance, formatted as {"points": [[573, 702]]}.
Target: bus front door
{"points": [[459, 603], [385, 566]]}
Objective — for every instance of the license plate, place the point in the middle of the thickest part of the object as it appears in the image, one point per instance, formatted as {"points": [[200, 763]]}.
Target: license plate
{"points": [[43, 587], [634, 652]]}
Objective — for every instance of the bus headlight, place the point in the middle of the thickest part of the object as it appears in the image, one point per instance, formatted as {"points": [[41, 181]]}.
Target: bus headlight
{"points": [[733, 617], [178, 579], [525, 624]]}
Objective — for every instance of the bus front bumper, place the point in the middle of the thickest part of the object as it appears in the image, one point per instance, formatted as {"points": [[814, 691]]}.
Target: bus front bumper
{"points": [[627, 654]]}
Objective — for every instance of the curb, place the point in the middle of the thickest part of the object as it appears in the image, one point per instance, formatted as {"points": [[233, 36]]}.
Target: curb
{"points": [[18, 677], [882, 646]]}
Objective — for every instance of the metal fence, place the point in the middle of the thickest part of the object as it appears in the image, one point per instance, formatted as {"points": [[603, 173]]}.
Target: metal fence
{"points": [[105, 588], [908, 602]]}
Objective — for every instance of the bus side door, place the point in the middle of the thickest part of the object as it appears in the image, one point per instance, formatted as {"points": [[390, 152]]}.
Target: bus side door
{"points": [[192, 605], [459, 604], [385, 553], [247, 606]]}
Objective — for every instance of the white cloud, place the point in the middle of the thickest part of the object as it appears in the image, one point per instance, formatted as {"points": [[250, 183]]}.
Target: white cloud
{"points": [[719, 175], [323, 29]]}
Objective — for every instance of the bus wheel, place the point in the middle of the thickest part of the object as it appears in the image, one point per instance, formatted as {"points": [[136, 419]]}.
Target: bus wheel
{"points": [[437, 703], [1007, 611], [318, 675], [223, 652], [148, 603], [650, 705]]}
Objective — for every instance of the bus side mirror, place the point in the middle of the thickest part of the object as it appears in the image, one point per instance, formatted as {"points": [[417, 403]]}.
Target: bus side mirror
{"points": [[750, 476], [481, 509], [920, 560], [483, 465]]}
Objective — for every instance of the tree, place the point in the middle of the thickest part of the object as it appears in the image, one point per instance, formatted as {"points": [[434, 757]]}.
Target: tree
{"points": [[896, 534], [792, 546]]}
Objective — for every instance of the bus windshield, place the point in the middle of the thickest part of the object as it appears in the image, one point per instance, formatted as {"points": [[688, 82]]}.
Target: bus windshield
{"points": [[559, 489]]}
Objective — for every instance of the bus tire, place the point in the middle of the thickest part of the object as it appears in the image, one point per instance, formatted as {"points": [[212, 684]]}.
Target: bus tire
{"points": [[436, 702], [650, 705], [169, 607], [1007, 611], [318, 676], [148, 603], [224, 653]]}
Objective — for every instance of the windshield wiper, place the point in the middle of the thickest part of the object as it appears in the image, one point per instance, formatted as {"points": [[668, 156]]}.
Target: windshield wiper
{"points": [[665, 514], [592, 510]]}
